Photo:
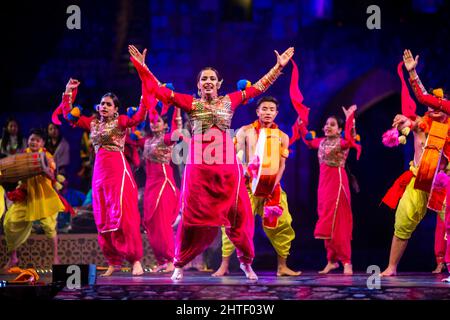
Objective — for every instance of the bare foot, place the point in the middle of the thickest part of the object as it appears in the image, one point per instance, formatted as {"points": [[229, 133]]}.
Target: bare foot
{"points": [[223, 270], [177, 274], [389, 272], [440, 268], [329, 267], [249, 273], [285, 271], [137, 269], [348, 269], [446, 279], [169, 267], [159, 268], [110, 271]]}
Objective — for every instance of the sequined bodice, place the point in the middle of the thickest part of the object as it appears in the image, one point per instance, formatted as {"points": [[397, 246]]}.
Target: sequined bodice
{"points": [[205, 115], [107, 135], [331, 153], [156, 150]]}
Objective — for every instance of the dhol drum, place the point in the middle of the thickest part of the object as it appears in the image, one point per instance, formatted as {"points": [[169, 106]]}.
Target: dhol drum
{"points": [[429, 163], [24, 165], [268, 151]]}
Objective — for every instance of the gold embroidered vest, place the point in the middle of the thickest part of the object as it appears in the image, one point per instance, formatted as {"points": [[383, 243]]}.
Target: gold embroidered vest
{"points": [[331, 153], [205, 115], [107, 135]]}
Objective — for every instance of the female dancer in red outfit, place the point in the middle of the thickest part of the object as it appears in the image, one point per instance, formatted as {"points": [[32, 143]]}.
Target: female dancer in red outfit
{"points": [[333, 201], [114, 191], [214, 192]]}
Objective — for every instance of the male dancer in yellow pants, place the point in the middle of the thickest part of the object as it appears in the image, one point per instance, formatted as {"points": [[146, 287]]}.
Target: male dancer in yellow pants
{"points": [[279, 231]]}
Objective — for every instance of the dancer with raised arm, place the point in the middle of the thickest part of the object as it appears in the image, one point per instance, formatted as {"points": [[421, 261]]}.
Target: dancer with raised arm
{"points": [[214, 192], [114, 191], [271, 206]]}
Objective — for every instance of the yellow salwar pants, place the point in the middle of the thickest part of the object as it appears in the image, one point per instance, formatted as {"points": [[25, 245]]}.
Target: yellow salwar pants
{"points": [[17, 227], [411, 209], [280, 237]]}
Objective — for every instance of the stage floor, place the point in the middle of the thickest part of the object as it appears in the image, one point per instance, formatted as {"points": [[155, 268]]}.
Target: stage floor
{"points": [[308, 286]]}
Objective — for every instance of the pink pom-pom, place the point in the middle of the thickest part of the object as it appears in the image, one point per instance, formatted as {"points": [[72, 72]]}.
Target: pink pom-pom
{"points": [[441, 180], [390, 138], [271, 212]]}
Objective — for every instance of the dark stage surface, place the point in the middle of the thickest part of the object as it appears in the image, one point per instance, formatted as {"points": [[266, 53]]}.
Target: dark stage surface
{"points": [[309, 286]]}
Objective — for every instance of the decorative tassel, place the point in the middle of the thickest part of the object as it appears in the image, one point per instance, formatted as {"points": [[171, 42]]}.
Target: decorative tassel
{"points": [[136, 135], [241, 85], [74, 114], [131, 111], [272, 212], [406, 131], [402, 139], [438, 93], [310, 135], [390, 138]]}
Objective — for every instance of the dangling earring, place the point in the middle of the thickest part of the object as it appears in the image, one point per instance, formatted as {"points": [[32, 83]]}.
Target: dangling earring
{"points": [[199, 93], [97, 107], [116, 114]]}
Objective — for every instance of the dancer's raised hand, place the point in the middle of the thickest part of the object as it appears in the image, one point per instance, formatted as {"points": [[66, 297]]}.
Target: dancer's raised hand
{"points": [[136, 54], [72, 84], [349, 111], [284, 58], [409, 61]]}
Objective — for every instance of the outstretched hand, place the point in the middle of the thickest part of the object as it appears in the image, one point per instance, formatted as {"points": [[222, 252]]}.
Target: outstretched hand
{"points": [[401, 121], [409, 61], [284, 58], [349, 111], [72, 84], [135, 53]]}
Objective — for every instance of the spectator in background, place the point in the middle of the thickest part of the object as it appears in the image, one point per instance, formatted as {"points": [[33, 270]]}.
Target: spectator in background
{"points": [[12, 141], [87, 160], [58, 147]]}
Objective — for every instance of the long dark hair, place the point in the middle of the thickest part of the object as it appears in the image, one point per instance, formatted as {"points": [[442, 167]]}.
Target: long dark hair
{"points": [[48, 143], [6, 137]]}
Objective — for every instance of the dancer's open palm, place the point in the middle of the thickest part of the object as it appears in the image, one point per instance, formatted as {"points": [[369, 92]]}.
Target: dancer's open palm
{"points": [[284, 58], [135, 53]]}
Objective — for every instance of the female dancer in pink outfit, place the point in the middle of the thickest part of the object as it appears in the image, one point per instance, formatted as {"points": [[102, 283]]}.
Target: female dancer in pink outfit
{"points": [[214, 193], [333, 202], [161, 197], [114, 190]]}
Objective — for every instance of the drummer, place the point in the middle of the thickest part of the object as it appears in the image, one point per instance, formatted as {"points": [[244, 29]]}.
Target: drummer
{"points": [[273, 209], [33, 200]]}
